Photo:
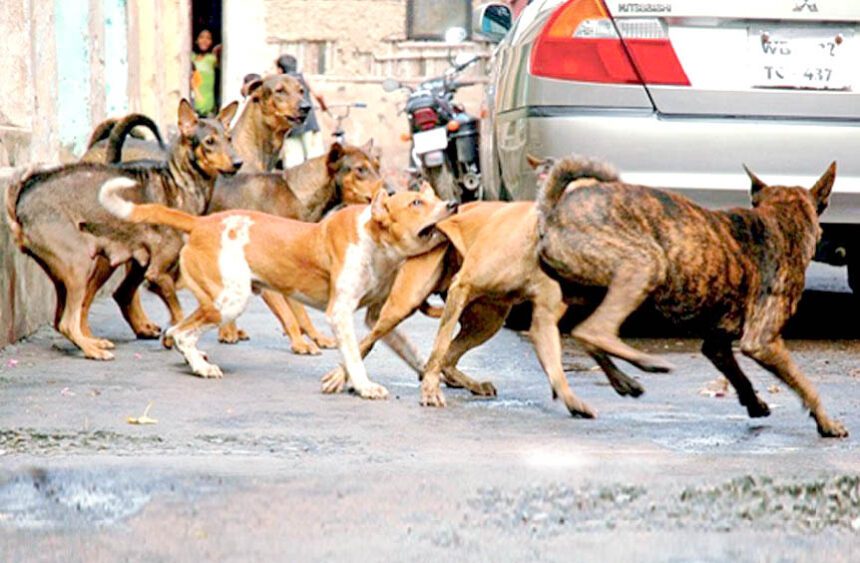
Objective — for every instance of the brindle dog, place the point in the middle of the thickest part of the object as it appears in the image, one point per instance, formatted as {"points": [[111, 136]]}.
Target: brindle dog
{"points": [[351, 177], [735, 274], [56, 219]]}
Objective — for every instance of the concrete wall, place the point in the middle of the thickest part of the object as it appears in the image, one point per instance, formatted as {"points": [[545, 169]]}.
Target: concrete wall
{"points": [[67, 65]]}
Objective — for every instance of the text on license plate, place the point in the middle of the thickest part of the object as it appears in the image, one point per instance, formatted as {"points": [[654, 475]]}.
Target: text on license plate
{"points": [[432, 140], [818, 59]]}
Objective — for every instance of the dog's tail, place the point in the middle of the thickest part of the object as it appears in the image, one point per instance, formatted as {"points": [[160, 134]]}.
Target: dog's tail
{"points": [[149, 213], [101, 132], [13, 192], [567, 170], [122, 128]]}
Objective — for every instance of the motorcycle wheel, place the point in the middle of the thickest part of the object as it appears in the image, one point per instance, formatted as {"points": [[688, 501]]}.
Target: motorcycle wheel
{"points": [[443, 182]]}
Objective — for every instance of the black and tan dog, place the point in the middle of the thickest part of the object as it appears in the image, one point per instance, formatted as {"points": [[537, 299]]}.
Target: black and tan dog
{"points": [[56, 219], [735, 274], [350, 175]]}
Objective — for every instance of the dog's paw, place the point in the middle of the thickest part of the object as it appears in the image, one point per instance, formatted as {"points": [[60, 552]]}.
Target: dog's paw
{"points": [[372, 391], [147, 331], [831, 428], [334, 381], [654, 364], [243, 336], [228, 334], [167, 341], [484, 389], [432, 397], [759, 409], [304, 348], [325, 342], [103, 343], [577, 408], [628, 387], [96, 353], [207, 371]]}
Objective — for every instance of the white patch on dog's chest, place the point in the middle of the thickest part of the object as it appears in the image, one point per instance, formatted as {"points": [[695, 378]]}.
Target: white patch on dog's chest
{"points": [[236, 274], [365, 264]]}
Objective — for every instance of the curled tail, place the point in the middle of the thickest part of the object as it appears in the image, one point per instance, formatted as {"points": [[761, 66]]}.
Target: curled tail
{"points": [[121, 130], [101, 132], [13, 193], [569, 170], [149, 213]]}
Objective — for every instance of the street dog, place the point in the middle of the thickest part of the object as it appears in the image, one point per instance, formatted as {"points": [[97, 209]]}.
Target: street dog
{"points": [[351, 177], [276, 105], [489, 264], [346, 261], [57, 220], [735, 274]]}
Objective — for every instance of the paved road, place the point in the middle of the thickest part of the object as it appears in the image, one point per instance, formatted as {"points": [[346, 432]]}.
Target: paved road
{"points": [[261, 465]]}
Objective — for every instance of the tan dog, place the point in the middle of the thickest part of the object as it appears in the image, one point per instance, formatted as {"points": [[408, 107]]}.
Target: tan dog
{"points": [[345, 262], [351, 176], [490, 265]]}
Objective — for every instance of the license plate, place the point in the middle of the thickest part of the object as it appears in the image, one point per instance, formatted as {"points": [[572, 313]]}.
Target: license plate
{"points": [[432, 140], [801, 58]]}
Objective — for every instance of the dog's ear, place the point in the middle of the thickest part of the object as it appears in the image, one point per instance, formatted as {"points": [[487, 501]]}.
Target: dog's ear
{"points": [[427, 189], [225, 116], [821, 190], [252, 87], [379, 208], [534, 161], [757, 184], [187, 118], [335, 153], [368, 146]]}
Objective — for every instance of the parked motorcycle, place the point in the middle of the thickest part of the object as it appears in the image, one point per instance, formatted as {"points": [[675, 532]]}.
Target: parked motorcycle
{"points": [[444, 137]]}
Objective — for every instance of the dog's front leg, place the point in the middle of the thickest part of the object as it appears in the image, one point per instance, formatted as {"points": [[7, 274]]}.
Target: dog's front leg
{"points": [[458, 298], [339, 314]]}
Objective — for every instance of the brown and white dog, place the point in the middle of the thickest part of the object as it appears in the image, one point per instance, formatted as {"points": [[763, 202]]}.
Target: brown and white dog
{"points": [[347, 261]]}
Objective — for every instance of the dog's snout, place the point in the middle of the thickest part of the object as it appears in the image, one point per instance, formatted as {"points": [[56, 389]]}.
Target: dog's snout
{"points": [[305, 106], [453, 205], [237, 163], [389, 189]]}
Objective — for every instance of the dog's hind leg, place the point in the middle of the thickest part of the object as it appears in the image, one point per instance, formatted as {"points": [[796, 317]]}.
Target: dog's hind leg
{"points": [[623, 384], [718, 349], [127, 296], [768, 350], [279, 305], [480, 321], [308, 327], [99, 274], [631, 284], [71, 317], [187, 332], [547, 343]]}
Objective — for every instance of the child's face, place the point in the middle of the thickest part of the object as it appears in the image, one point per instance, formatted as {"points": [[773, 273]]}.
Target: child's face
{"points": [[204, 40]]}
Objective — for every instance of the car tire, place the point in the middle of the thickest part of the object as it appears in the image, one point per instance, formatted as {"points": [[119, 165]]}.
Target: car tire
{"points": [[443, 182]]}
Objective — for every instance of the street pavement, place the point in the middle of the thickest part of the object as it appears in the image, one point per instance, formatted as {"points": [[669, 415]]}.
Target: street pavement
{"points": [[260, 465]]}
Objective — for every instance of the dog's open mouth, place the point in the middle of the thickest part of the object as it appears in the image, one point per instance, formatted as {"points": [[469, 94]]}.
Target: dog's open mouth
{"points": [[427, 231]]}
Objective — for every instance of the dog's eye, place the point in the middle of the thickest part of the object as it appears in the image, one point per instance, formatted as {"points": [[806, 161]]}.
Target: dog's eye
{"points": [[361, 170], [417, 203], [210, 141]]}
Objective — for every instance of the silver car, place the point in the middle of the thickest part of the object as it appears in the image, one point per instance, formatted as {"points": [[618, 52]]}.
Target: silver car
{"points": [[679, 94]]}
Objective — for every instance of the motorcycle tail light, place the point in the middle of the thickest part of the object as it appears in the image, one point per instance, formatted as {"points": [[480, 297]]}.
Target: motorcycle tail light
{"points": [[425, 118], [453, 125]]}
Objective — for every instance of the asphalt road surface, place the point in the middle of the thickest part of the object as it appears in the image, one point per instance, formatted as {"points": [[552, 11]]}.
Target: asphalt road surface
{"points": [[261, 465]]}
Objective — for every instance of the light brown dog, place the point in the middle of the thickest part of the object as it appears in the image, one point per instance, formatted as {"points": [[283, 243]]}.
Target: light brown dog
{"points": [[347, 261], [350, 176], [489, 265]]}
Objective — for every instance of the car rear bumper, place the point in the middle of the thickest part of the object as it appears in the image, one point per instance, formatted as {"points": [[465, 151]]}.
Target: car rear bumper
{"points": [[699, 156]]}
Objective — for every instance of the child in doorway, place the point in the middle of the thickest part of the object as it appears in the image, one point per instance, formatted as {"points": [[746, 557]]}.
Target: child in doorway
{"points": [[205, 62]]}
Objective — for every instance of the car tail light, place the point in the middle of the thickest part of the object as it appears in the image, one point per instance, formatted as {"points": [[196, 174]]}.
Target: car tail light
{"points": [[425, 118], [581, 41]]}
